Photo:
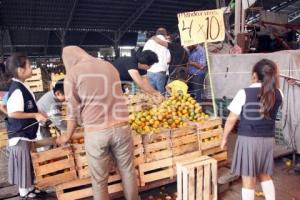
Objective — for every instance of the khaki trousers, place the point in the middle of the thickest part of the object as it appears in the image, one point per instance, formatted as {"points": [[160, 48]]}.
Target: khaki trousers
{"points": [[99, 145]]}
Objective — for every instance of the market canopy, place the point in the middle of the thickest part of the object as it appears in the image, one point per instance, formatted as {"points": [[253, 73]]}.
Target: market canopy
{"points": [[43, 27]]}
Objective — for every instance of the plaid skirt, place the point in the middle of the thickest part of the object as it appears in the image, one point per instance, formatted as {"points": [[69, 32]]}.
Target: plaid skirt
{"points": [[20, 170], [253, 156]]}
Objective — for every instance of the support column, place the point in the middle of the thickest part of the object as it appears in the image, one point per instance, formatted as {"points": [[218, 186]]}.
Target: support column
{"points": [[237, 21]]}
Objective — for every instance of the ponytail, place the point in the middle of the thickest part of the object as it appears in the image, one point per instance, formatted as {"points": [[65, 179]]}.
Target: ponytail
{"points": [[266, 71]]}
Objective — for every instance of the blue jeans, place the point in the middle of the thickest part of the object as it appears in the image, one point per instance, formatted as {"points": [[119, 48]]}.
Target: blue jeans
{"points": [[158, 81], [196, 88]]}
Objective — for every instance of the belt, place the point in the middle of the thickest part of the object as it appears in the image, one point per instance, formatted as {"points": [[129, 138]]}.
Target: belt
{"points": [[161, 72]]}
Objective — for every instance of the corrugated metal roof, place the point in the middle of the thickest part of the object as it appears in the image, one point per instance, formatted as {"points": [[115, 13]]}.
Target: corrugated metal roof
{"points": [[38, 25]]}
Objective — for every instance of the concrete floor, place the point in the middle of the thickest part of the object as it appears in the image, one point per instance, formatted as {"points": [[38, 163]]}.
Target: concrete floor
{"points": [[286, 183]]}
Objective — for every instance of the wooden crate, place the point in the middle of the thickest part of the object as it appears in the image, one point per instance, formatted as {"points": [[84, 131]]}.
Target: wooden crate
{"points": [[184, 140], [35, 86], [81, 158], [197, 179], [76, 189], [217, 153], [81, 161], [3, 138], [82, 188], [210, 133], [38, 81], [138, 151], [53, 167], [157, 146], [162, 169], [55, 78]]}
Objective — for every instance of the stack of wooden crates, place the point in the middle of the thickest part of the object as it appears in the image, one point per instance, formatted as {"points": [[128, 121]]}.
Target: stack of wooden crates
{"points": [[163, 150], [155, 157], [39, 81]]}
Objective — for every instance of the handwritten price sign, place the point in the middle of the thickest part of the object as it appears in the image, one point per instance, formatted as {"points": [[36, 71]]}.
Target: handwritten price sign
{"points": [[200, 26]]}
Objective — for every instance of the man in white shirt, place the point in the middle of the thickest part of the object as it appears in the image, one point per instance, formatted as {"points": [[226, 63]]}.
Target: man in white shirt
{"points": [[158, 72]]}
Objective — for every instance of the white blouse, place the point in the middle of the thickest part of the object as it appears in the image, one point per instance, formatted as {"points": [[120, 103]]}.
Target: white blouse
{"points": [[240, 99]]}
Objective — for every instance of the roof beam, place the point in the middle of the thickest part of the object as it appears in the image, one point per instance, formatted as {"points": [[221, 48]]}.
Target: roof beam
{"points": [[69, 21], [293, 16], [107, 36], [133, 18]]}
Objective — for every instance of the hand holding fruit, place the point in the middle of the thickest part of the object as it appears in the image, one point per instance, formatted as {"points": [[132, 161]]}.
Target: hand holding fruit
{"points": [[158, 98]]}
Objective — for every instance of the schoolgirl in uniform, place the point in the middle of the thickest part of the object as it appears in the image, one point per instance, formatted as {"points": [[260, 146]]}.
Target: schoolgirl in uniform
{"points": [[22, 125], [257, 107]]}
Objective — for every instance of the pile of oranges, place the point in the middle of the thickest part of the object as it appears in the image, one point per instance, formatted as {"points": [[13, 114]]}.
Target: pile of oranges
{"points": [[175, 112]]}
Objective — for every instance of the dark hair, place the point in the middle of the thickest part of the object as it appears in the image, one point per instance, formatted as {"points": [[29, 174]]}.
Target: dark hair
{"points": [[161, 31], [266, 71], [147, 57], [59, 86], [181, 74], [15, 61]]}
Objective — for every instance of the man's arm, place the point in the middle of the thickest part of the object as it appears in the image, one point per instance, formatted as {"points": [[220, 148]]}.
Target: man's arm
{"points": [[142, 82], [160, 41], [195, 64], [200, 60], [64, 138], [230, 122], [73, 105]]}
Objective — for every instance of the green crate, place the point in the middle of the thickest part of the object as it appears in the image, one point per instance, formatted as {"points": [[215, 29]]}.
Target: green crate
{"points": [[222, 105], [279, 137]]}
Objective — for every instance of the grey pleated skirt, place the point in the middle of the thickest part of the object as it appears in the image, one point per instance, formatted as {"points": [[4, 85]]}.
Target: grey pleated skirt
{"points": [[20, 170], [253, 156]]}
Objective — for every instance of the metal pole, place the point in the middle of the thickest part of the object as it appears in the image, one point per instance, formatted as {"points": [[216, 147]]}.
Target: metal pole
{"points": [[237, 20], [210, 79]]}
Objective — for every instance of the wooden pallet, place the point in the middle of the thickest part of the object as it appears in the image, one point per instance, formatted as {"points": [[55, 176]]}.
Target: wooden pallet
{"points": [[157, 146], [161, 169], [53, 167], [3, 138], [184, 140], [35, 86], [82, 188], [36, 82], [55, 78], [197, 179], [36, 72]]}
